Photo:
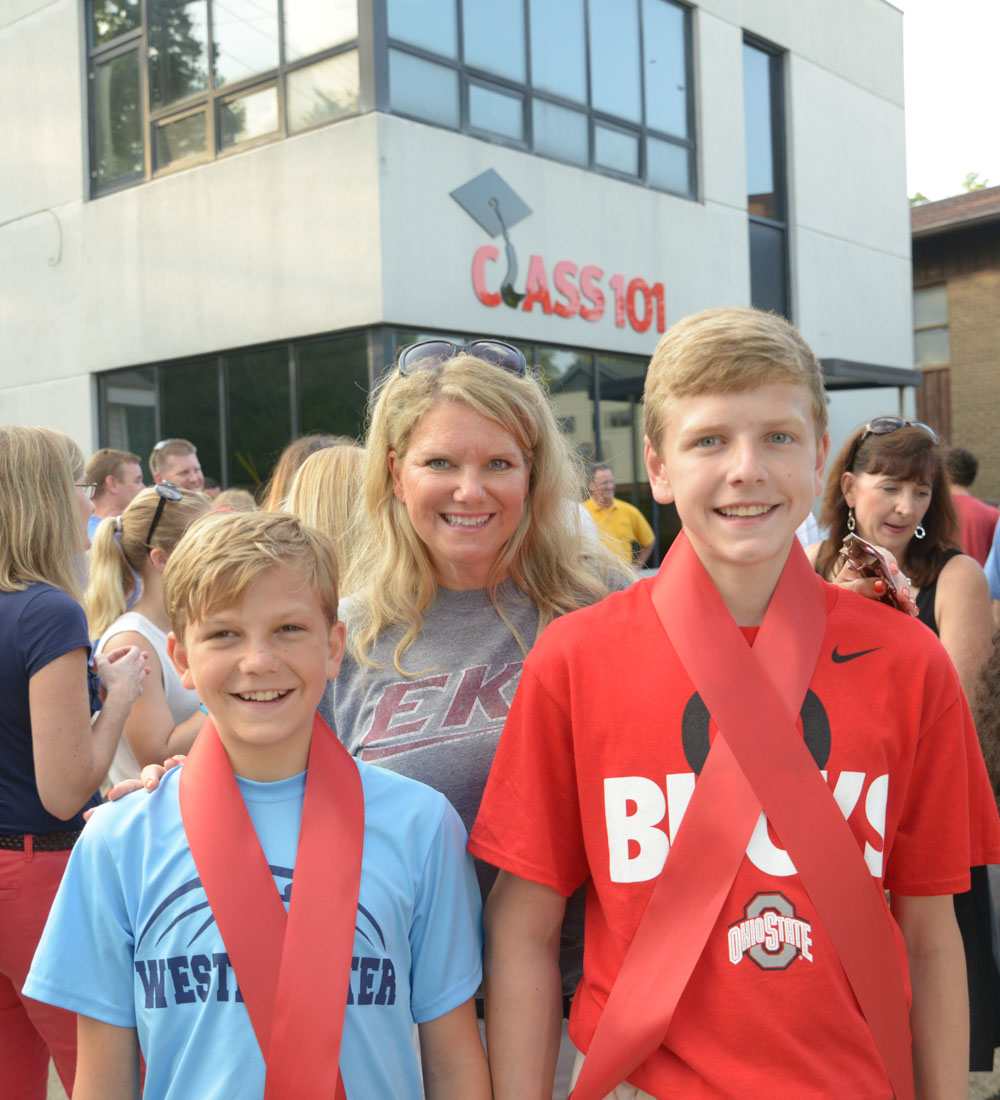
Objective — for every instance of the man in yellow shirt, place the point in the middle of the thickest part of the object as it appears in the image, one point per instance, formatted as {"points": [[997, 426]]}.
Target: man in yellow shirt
{"points": [[622, 525]]}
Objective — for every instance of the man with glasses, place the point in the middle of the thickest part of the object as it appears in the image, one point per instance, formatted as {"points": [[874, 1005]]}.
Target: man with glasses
{"points": [[176, 461], [622, 525], [118, 477]]}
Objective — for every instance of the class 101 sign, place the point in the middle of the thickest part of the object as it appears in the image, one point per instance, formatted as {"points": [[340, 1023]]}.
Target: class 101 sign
{"points": [[575, 291]]}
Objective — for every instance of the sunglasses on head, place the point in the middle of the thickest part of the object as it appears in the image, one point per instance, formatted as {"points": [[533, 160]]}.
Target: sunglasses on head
{"points": [[427, 354], [886, 425], [166, 491]]}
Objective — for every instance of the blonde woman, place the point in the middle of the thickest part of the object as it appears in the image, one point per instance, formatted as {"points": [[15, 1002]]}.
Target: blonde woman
{"points": [[124, 603], [54, 757], [465, 556], [326, 494]]}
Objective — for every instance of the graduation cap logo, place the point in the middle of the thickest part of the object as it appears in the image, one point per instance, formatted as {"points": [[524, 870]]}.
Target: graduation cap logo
{"points": [[496, 207]]}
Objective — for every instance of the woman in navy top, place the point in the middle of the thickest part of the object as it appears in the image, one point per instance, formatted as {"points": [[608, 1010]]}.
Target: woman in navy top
{"points": [[53, 756]]}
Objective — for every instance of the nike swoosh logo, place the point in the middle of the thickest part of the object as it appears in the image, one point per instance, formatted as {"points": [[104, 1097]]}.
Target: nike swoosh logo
{"points": [[843, 658]]}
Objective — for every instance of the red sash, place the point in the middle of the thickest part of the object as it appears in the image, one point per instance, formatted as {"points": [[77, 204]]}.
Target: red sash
{"points": [[278, 956], [759, 761]]}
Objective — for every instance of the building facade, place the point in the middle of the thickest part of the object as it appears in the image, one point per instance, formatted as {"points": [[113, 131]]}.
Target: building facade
{"points": [[220, 218], [956, 321]]}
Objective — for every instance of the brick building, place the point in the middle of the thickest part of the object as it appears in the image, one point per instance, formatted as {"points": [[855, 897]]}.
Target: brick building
{"points": [[956, 320]]}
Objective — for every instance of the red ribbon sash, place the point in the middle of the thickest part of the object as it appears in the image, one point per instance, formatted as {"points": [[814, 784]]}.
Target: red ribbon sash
{"points": [[758, 760], [278, 956]]}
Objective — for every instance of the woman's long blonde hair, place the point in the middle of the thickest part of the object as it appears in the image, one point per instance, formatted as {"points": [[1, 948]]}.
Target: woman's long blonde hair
{"points": [[41, 532], [546, 557], [118, 554], [326, 494]]}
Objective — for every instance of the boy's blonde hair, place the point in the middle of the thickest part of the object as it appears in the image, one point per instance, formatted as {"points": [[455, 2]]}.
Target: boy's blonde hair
{"points": [[41, 533], [729, 351], [118, 553], [222, 554], [392, 575], [325, 493]]}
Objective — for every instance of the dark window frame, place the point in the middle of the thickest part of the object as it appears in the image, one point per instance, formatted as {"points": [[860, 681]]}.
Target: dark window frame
{"points": [[469, 73], [209, 100], [777, 61]]}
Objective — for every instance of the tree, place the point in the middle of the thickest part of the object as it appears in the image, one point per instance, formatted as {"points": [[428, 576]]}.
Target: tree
{"points": [[972, 182], [918, 198]]}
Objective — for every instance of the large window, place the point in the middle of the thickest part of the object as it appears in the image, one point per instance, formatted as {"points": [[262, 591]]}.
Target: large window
{"points": [[931, 355], [764, 122], [178, 82], [604, 84]]}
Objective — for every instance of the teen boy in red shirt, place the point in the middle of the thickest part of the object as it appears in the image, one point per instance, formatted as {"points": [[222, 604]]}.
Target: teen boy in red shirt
{"points": [[748, 951]]}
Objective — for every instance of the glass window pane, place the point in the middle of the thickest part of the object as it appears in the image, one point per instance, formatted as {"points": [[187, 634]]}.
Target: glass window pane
{"points": [[314, 25], [178, 49], [189, 408], [931, 346], [569, 378], [560, 133], [558, 57], [260, 413], [323, 92], [617, 150], [665, 65], [245, 33], [118, 145], [667, 166], [423, 89], [614, 58], [248, 117], [181, 140], [496, 112], [762, 199], [622, 378], [930, 306], [493, 37], [128, 411], [767, 268], [333, 385], [427, 23], [110, 18]]}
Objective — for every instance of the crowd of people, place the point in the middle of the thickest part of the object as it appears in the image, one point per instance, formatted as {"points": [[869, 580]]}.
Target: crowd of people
{"points": [[526, 815]]}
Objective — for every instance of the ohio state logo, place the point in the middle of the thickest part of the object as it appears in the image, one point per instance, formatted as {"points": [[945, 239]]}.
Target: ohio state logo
{"points": [[771, 935]]}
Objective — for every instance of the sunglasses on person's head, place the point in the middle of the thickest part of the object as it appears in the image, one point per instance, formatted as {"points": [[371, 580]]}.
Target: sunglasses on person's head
{"points": [[886, 425], [166, 492], [427, 354]]}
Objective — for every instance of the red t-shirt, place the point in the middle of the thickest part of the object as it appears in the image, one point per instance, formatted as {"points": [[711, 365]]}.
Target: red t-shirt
{"points": [[594, 770], [977, 521]]}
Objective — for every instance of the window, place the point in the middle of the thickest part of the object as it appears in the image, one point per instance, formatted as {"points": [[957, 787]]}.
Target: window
{"points": [[178, 82], [931, 345], [764, 114], [604, 84]]}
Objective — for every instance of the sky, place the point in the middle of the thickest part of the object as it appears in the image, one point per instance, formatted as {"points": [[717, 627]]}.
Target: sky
{"points": [[950, 51]]}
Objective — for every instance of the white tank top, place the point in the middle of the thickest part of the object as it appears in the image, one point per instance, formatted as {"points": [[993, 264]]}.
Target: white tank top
{"points": [[181, 702]]}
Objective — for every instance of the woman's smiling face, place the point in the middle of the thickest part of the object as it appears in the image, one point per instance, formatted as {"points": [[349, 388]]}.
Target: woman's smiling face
{"points": [[464, 483]]}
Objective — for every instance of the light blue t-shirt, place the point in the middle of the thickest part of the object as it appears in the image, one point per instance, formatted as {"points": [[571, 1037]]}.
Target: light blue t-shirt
{"points": [[92, 524], [132, 942], [992, 566]]}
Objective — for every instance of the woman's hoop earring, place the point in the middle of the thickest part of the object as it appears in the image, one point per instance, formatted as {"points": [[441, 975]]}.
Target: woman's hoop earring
{"points": [[850, 520], [919, 533]]}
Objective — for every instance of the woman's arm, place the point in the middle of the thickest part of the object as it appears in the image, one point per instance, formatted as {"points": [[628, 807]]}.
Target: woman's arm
{"points": [[71, 755], [452, 1055], [150, 729], [107, 1061], [962, 610], [939, 1016]]}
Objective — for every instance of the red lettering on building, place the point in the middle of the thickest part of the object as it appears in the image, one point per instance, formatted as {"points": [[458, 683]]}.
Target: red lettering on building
{"points": [[537, 288], [482, 257]]}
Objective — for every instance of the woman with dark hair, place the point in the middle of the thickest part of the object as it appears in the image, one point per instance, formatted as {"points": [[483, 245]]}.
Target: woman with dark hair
{"points": [[288, 464], [888, 485]]}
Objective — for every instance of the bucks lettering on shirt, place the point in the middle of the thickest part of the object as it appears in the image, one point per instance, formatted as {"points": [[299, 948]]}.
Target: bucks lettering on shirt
{"points": [[131, 939]]}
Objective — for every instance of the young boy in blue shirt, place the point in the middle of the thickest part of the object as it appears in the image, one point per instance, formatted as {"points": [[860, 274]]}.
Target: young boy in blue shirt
{"points": [[133, 943]]}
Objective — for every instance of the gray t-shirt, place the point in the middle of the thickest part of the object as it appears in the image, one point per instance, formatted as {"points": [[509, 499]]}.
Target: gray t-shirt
{"points": [[442, 725]]}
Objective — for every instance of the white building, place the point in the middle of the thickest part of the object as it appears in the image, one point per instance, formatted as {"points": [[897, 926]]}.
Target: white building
{"points": [[220, 218]]}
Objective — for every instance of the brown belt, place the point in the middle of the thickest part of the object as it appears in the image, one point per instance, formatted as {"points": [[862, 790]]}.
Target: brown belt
{"points": [[46, 842]]}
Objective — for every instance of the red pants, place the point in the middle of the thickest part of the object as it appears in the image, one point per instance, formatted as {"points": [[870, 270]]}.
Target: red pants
{"points": [[29, 1030]]}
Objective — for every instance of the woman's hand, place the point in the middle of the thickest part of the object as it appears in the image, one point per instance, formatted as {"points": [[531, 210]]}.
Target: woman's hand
{"points": [[149, 780], [123, 673], [848, 577]]}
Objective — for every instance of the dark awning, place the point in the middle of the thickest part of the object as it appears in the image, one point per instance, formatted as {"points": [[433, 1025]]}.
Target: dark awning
{"points": [[846, 374]]}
